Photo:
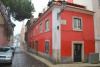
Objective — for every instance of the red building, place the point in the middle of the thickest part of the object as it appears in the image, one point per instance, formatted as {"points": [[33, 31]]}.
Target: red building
{"points": [[65, 38]]}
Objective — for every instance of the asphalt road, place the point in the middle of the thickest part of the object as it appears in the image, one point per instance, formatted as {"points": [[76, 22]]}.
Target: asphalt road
{"points": [[22, 59]]}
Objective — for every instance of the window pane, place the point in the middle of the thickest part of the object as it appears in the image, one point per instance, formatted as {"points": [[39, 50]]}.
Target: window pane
{"points": [[77, 24], [41, 27], [33, 45], [80, 24], [47, 25], [47, 47], [34, 32]]}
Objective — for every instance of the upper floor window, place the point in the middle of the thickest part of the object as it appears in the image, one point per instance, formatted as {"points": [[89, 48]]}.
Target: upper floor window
{"points": [[29, 44], [41, 28], [33, 45], [47, 47], [47, 25], [34, 32], [99, 3], [77, 24]]}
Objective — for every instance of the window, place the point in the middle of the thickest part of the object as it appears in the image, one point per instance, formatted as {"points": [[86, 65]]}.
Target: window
{"points": [[77, 23], [41, 28], [34, 32], [47, 25], [31, 33], [33, 45], [47, 47], [30, 45]]}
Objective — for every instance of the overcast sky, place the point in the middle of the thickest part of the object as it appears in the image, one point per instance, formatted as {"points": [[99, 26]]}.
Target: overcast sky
{"points": [[38, 5]]}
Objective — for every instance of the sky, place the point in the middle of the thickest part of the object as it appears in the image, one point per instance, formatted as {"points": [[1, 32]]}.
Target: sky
{"points": [[38, 5]]}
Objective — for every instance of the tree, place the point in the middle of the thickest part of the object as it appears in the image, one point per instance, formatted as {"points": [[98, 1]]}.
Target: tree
{"points": [[19, 9]]}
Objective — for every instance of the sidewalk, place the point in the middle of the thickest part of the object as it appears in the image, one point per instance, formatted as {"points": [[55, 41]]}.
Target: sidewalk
{"points": [[49, 64]]}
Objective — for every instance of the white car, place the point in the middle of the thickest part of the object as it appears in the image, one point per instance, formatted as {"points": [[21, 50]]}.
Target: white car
{"points": [[6, 55], [13, 48]]}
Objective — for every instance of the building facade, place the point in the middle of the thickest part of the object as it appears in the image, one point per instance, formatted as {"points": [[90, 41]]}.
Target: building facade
{"points": [[6, 27], [22, 36], [93, 5], [63, 38], [96, 9]]}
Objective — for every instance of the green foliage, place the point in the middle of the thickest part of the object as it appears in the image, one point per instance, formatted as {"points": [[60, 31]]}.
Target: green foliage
{"points": [[19, 9]]}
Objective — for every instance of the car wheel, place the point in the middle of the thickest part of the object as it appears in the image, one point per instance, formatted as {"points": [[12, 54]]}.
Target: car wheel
{"points": [[10, 62]]}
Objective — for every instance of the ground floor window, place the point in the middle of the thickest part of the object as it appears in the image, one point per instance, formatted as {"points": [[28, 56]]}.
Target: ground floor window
{"points": [[29, 44], [33, 45], [47, 47]]}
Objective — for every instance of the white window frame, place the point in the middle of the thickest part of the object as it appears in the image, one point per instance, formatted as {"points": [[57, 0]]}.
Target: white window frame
{"points": [[48, 25], [49, 46], [77, 29], [40, 30]]}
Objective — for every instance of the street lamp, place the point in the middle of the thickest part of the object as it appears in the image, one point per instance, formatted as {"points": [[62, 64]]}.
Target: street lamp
{"points": [[63, 5]]}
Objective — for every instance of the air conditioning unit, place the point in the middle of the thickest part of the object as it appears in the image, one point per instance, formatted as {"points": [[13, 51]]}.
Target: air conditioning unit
{"points": [[93, 58]]}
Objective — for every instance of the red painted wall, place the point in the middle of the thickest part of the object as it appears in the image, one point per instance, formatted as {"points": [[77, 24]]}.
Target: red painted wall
{"points": [[43, 36], [3, 40], [68, 35], [71, 1]]}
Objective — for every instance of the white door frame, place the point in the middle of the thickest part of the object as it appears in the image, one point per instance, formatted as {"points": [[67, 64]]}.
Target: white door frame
{"points": [[78, 42]]}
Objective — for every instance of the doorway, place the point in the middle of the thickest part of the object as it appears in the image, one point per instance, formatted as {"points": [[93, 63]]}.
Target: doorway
{"points": [[77, 52], [36, 46]]}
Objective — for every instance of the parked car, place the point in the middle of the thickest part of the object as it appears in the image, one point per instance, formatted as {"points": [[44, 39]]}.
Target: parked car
{"points": [[6, 55], [13, 48]]}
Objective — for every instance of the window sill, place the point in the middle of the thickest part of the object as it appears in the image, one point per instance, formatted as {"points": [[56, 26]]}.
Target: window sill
{"points": [[47, 53], [47, 30], [76, 30], [40, 32]]}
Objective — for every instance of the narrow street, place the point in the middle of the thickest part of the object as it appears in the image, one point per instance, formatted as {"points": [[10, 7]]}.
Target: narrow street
{"points": [[22, 59]]}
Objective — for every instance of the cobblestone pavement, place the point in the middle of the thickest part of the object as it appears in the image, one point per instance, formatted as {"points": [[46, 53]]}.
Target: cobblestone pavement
{"points": [[22, 59]]}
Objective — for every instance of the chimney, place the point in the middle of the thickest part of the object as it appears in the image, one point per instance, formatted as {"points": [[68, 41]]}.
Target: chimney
{"points": [[32, 16], [39, 14]]}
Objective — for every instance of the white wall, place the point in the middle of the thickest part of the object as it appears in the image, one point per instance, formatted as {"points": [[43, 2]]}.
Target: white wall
{"points": [[56, 34], [96, 9], [87, 3]]}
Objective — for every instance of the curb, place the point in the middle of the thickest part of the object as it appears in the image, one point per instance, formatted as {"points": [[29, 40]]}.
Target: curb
{"points": [[48, 63]]}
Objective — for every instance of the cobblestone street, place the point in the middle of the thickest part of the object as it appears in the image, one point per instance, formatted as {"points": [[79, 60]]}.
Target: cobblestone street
{"points": [[22, 59]]}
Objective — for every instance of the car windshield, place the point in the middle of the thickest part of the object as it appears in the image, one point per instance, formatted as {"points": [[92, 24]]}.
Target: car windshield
{"points": [[4, 49]]}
